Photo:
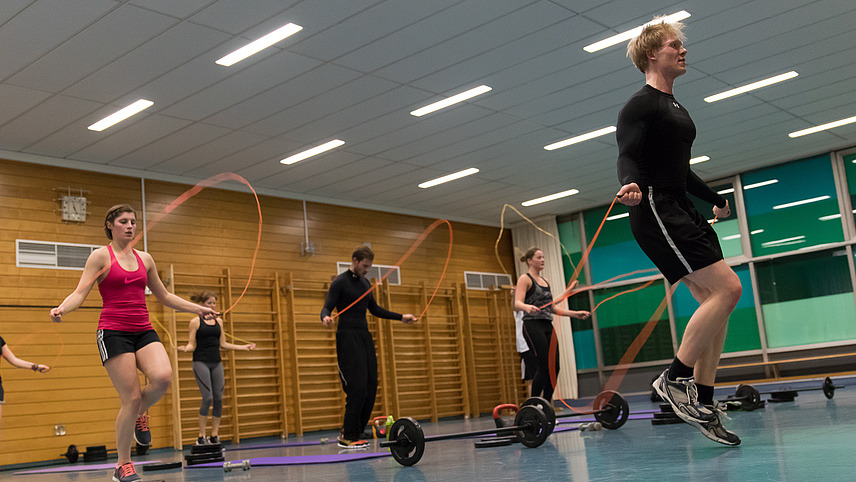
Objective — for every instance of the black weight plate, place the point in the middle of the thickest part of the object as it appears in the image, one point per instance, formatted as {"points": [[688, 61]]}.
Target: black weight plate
{"points": [[411, 441], [828, 388], [748, 396], [545, 407], [165, 466], [534, 426], [611, 409], [493, 442], [666, 407], [204, 449], [71, 454], [665, 416]]}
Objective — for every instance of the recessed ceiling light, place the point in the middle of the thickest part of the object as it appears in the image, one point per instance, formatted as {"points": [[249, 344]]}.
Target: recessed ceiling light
{"points": [[551, 197], [259, 45], [469, 94], [726, 191], [313, 152], [617, 39], [696, 160], [121, 115], [760, 184], [823, 127], [618, 216], [801, 202], [580, 138], [752, 86], [449, 177]]}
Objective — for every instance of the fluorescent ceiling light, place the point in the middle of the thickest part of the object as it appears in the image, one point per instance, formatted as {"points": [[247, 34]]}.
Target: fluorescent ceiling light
{"points": [[798, 203], [733, 236], [260, 44], [830, 217], [618, 216], [580, 138], [757, 231], [759, 184], [617, 39], [726, 191], [469, 94], [449, 177], [785, 241], [696, 160], [823, 127], [752, 86], [313, 152], [551, 197], [121, 115]]}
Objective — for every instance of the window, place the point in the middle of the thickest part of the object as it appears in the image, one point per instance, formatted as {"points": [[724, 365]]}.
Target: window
{"points": [[483, 281], [50, 255], [792, 206]]}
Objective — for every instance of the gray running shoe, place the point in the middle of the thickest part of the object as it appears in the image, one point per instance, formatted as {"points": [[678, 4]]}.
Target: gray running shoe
{"points": [[682, 395], [715, 431]]}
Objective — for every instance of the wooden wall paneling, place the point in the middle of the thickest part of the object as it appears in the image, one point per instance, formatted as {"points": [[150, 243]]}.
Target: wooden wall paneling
{"points": [[257, 373], [280, 347], [291, 321], [175, 387], [385, 379], [230, 359], [426, 333], [457, 319], [493, 317], [184, 283], [467, 335], [322, 398], [392, 389]]}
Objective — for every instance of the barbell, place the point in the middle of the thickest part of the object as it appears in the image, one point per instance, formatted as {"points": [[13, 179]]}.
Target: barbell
{"points": [[407, 440], [609, 408]]}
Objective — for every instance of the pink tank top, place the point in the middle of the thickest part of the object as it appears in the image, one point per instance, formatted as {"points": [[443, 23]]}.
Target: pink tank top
{"points": [[124, 296]]}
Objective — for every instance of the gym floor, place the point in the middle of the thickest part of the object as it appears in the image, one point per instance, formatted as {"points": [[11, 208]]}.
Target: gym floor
{"points": [[811, 438]]}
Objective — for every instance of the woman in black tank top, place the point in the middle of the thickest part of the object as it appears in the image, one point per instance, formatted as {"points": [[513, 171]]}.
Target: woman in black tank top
{"points": [[205, 340], [533, 293]]}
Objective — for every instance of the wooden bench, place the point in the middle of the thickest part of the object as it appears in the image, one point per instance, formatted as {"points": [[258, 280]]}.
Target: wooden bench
{"points": [[774, 364]]}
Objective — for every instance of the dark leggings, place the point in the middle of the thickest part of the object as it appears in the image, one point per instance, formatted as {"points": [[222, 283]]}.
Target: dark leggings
{"points": [[209, 377], [355, 351], [538, 334]]}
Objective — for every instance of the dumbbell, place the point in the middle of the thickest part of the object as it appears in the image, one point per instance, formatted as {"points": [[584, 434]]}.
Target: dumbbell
{"points": [[591, 427], [244, 465]]}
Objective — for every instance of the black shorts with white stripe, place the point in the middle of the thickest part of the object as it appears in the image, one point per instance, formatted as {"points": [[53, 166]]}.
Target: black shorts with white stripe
{"points": [[114, 342], [673, 234]]}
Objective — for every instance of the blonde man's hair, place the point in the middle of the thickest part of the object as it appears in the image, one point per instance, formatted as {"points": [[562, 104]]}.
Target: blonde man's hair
{"points": [[651, 38]]}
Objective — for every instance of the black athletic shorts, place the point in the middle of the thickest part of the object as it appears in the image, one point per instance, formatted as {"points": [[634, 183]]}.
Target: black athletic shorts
{"points": [[673, 234], [1, 391], [115, 342]]}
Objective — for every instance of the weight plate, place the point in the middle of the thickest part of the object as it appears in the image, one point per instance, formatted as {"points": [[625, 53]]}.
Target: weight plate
{"points": [[410, 441], [534, 426], [545, 407], [611, 409], [828, 388], [748, 396]]}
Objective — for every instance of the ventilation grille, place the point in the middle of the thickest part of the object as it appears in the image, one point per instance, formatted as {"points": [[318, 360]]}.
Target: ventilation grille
{"points": [[376, 272], [483, 281], [47, 255]]}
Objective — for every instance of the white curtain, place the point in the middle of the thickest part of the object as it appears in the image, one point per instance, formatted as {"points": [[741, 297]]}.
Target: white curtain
{"points": [[524, 236]]}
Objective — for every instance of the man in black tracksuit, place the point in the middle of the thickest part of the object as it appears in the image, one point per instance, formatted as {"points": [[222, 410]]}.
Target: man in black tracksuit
{"points": [[355, 348]]}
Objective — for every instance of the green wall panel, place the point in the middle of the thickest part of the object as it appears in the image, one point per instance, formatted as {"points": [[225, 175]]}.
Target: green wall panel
{"points": [[630, 308], [808, 321], [584, 349]]}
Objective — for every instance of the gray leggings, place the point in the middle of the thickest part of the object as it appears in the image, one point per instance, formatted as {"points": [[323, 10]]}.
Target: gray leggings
{"points": [[209, 377]]}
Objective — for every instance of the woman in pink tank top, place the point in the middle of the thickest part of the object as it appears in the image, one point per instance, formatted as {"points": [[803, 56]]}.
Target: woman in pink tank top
{"points": [[125, 338]]}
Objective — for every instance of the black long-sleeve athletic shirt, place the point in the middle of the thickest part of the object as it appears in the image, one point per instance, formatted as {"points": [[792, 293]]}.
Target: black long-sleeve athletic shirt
{"points": [[655, 137], [343, 291]]}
